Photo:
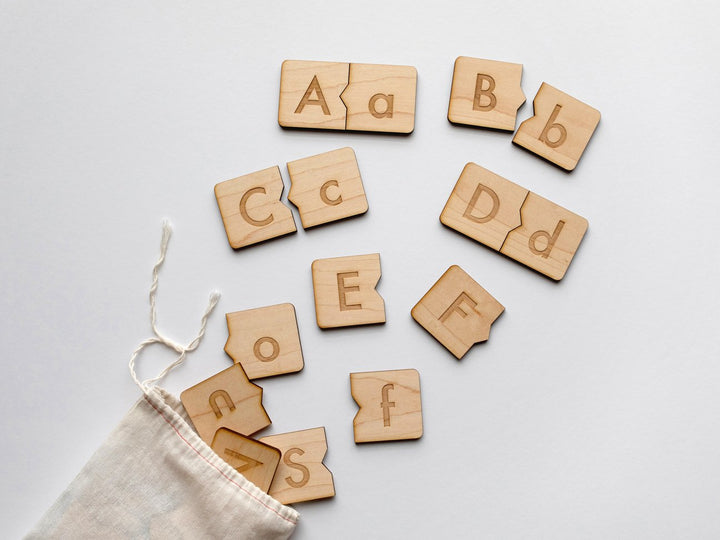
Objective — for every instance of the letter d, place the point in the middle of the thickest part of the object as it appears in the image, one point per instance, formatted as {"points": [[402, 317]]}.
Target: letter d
{"points": [[544, 253]]}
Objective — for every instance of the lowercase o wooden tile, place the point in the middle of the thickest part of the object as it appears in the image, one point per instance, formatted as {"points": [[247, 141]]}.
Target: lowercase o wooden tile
{"points": [[255, 460], [265, 341], [457, 311], [327, 187], [560, 128], [390, 405], [251, 209], [485, 93], [301, 475]]}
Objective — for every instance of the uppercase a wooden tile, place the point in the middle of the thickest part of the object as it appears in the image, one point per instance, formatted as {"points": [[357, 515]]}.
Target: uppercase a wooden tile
{"points": [[345, 292], [560, 128], [484, 206], [227, 399], [301, 475], [255, 460], [265, 341], [485, 93], [310, 94], [381, 98], [251, 209], [327, 187], [548, 238], [390, 405], [457, 311]]}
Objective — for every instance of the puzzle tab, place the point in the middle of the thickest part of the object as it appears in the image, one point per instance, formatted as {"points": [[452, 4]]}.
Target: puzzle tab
{"points": [[255, 460], [457, 311], [358, 97], [251, 209], [301, 475], [485, 93], [560, 128], [265, 341], [327, 187], [227, 399], [510, 219], [390, 405], [345, 292]]}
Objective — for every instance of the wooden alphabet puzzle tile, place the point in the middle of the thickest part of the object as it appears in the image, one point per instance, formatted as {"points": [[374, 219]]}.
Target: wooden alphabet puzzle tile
{"points": [[510, 219], [345, 292], [360, 97], [457, 311], [485, 93], [301, 475], [327, 187], [560, 128], [227, 399], [251, 209], [265, 341], [390, 405], [255, 460]]}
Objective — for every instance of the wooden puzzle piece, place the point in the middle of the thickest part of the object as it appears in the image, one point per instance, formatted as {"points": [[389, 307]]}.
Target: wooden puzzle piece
{"points": [[560, 128], [345, 292], [327, 187], [457, 311], [251, 209], [310, 94], [359, 97], [301, 475], [255, 460], [390, 405], [485, 93], [265, 341], [227, 399], [510, 219]]}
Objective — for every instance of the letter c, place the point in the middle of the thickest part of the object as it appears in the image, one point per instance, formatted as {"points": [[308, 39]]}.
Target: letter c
{"points": [[243, 208]]}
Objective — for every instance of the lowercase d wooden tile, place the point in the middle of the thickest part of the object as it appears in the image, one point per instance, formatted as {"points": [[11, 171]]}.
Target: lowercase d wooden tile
{"points": [[255, 460]]}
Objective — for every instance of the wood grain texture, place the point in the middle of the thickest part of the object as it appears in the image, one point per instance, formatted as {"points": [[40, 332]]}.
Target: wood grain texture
{"points": [[390, 405], [251, 209], [345, 292], [485, 93], [227, 399], [560, 127], [301, 475], [457, 311], [327, 187], [255, 460], [265, 341]]}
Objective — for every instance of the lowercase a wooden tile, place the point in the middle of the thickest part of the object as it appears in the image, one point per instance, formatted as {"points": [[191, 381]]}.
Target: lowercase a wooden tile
{"points": [[255, 460]]}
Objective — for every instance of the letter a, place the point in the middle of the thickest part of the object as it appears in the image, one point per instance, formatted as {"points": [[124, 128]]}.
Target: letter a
{"points": [[544, 253], [388, 99], [313, 87], [473, 201], [550, 125], [487, 92]]}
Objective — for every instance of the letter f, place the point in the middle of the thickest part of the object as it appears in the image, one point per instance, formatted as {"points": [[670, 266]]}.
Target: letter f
{"points": [[385, 404]]}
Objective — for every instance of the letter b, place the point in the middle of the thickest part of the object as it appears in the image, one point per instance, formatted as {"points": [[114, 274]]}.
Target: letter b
{"points": [[544, 136], [487, 92]]}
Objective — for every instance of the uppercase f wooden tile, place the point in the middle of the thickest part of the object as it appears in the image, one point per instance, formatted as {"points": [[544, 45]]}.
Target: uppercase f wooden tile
{"points": [[560, 128], [251, 209]]}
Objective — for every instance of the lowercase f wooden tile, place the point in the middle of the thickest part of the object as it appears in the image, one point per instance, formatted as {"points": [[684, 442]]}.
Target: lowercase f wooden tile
{"points": [[255, 460]]}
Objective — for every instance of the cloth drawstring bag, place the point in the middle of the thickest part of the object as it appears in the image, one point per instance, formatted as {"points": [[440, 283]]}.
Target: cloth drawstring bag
{"points": [[155, 478]]}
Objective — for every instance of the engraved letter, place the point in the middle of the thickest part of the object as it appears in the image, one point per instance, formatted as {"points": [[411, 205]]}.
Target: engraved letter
{"points": [[388, 99], [385, 404], [323, 193], [544, 253], [487, 92], [226, 398], [343, 290], [275, 349], [302, 468], [455, 306], [314, 87], [473, 201], [243, 210], [550, 125]]}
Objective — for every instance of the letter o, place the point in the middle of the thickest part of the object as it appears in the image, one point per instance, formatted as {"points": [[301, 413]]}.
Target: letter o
{"points": [[275, 349]]}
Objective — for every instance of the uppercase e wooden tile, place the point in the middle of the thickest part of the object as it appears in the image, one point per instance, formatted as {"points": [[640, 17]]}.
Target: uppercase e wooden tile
{"points": [[256, 461], [485, 93], [251, 209], [560, 128], [265, 341], [327, 187]]}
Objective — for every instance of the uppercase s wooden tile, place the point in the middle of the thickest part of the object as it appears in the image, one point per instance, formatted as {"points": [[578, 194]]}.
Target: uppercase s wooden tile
{"points": [[265, 341], [255, 460], [327, 187], [251, 209], [560, 128]]}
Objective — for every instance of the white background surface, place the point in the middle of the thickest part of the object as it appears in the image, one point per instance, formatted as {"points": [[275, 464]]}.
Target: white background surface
{"points": [[592, 412]]}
